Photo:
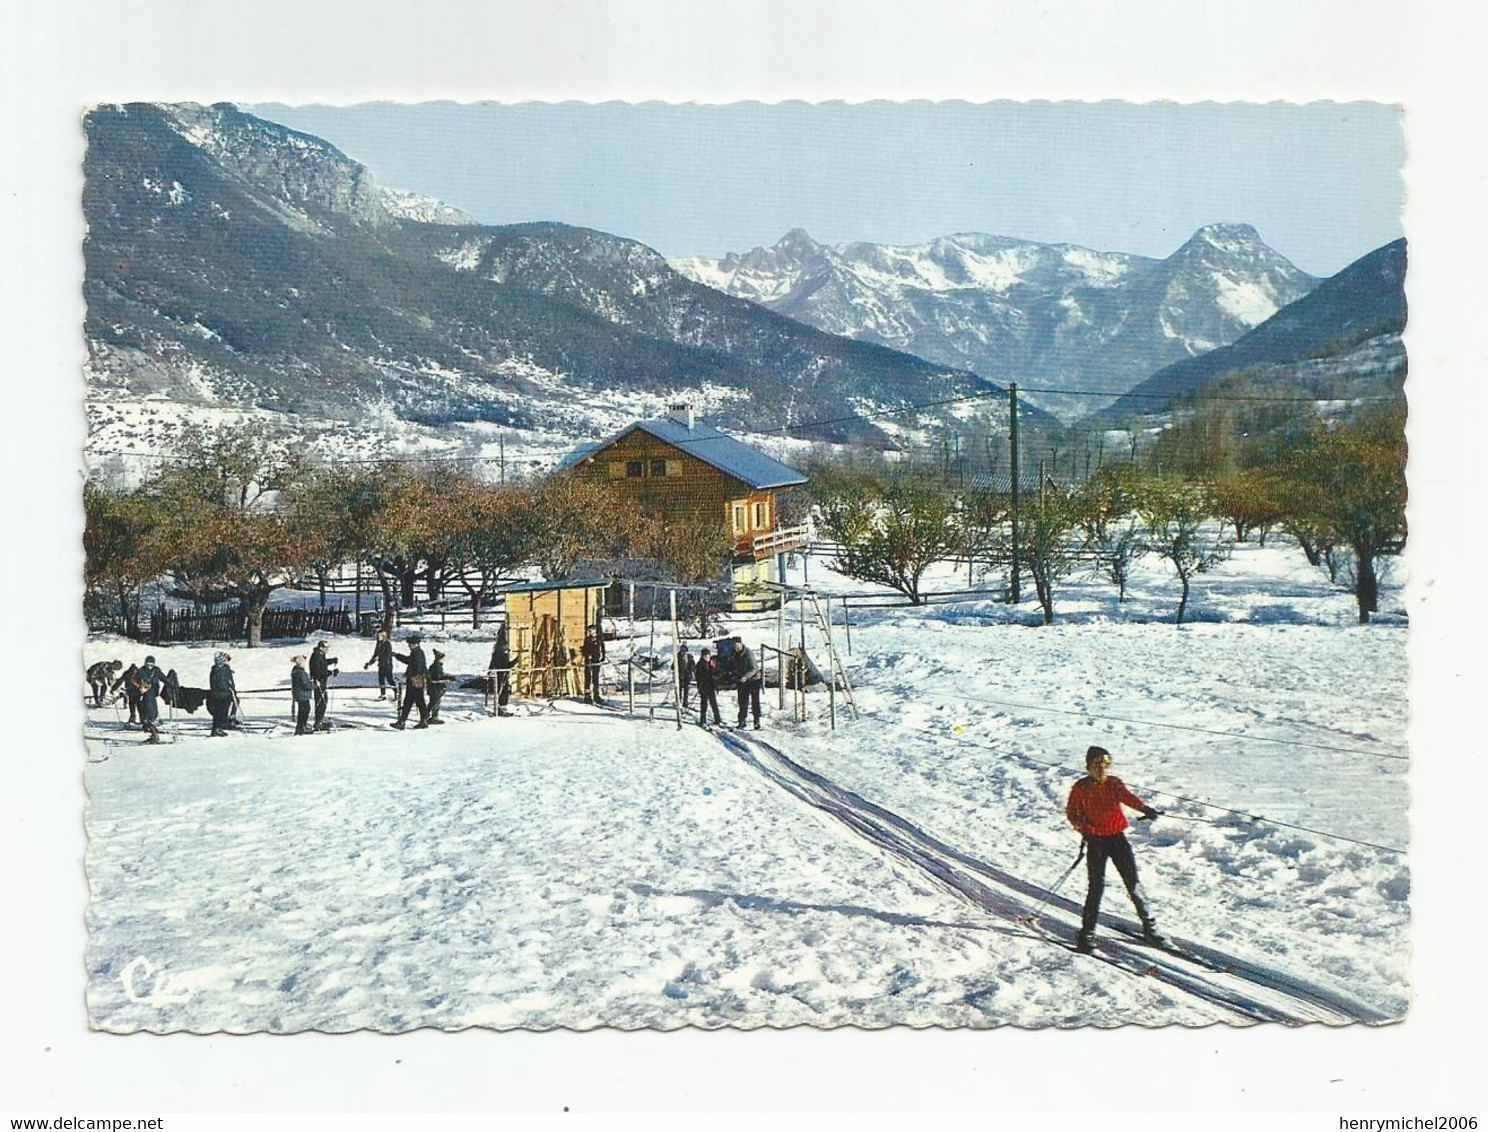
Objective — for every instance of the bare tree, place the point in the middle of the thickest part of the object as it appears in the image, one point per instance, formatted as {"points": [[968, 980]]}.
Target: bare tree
{"points": [[1175, 514]]}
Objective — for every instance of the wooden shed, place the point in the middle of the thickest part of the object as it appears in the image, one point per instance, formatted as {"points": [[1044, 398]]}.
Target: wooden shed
{"points": [[546, 624]]}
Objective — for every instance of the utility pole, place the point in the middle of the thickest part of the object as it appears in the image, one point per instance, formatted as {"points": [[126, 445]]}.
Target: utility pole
{"points": [[501, 459], [1013, 588]]}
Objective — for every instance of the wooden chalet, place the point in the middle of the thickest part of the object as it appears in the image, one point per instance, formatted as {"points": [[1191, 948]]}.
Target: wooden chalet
{"points": [[679, 466]]}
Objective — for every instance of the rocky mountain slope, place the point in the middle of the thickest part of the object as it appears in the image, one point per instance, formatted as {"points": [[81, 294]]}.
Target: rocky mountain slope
{"points": [[1049, 316], [1339, 342], [234, 265]]}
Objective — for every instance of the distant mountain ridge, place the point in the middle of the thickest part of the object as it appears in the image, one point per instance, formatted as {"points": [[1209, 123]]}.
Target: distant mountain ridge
{"points": [[1052, 316], [1342, 339], [235, 262]]}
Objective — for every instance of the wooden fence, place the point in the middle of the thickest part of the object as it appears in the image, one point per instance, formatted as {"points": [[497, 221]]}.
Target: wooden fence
{"points": [[184, 625]]}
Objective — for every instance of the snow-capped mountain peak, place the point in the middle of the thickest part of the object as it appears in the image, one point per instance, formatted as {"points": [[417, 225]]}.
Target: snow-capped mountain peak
{"points": [[1056, 315]]}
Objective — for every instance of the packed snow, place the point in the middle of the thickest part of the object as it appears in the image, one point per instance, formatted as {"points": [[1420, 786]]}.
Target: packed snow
{"points": [[579, 866]]}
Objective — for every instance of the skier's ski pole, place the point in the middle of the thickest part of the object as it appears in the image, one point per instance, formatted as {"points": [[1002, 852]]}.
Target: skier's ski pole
{"points": [[1049, 893]]}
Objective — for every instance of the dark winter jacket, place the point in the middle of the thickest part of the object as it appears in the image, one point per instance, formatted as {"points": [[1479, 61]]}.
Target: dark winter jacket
{"points": [[148, 678], [99, 673], [130, 679], [436, 674], [221, 682], [749, 669], [706, 674], [320, 665], [1095, 809], [300, 685], [686, 666], [500, 653], [417, 665], [382, 656], [594, 650], [188, 699]]}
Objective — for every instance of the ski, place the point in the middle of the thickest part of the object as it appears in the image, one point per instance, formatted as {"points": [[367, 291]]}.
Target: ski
{"points": [[1168, 947]]}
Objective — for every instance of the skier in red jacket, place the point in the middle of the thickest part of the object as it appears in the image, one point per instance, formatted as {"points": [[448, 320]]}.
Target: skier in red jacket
{"points": [[1094, 809]]}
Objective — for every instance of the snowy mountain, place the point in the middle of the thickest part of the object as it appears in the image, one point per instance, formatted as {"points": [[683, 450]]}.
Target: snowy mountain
{"points": [[1050, 316], [1341, 340], [426, 210], [236, 266]]}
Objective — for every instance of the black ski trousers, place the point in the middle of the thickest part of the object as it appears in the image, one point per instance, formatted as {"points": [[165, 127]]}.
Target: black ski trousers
{"points": [[413, 696], [591, 682], [302, 717], [749, 697], [322, 700], [221, 709], [1117, 850], [708, 696]]}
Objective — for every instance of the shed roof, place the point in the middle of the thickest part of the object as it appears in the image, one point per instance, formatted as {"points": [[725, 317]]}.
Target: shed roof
{"points": [[1001, 483], [545, 587], [709, 445]]}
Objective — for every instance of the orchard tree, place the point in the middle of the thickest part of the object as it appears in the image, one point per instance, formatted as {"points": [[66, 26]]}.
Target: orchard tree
{"points": [[1051, 542], [1174, 514], [1114, 529], [1349, 481], [399, 513], [574, 518], [692, 551], [116, 530], [892, 528], [218, 530], [1250, 501], [490, 532]]}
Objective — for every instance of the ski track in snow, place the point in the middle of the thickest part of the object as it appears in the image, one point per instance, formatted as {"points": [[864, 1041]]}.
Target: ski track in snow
{"points": [[1013, 899]]}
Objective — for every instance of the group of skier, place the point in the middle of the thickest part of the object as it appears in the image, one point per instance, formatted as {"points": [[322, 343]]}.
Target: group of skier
{"points": [[707, 674], [309, 685], [141, 685]]}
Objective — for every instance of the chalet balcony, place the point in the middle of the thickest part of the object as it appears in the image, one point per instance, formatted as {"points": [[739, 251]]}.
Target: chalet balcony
{"points": [[783, 541]]}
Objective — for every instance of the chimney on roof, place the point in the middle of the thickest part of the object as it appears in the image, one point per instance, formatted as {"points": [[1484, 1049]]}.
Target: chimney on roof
{"points": [[682, 413]]}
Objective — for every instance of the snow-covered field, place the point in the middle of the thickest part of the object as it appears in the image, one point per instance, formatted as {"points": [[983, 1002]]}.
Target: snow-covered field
{"points": [[582, 867]]}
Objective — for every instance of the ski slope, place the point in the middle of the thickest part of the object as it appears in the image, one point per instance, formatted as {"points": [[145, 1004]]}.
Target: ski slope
{"points": [[580, 867]]}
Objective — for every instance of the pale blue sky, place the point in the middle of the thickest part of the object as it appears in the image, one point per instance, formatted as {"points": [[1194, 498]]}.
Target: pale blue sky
{"points": [[1321, 182]]}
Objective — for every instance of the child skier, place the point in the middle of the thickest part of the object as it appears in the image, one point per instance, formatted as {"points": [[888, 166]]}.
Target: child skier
{"points": [[1094, 809]]}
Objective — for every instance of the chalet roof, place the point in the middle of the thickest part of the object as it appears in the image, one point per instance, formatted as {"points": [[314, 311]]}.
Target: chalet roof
{"points": [[1001, 483], [709, 445]]}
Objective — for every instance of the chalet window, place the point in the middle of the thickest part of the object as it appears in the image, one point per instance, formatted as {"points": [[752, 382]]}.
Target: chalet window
{"points": [[635, 469], [740, 518], [762, 516], [658, 469], [674, 467], [615, 468]]}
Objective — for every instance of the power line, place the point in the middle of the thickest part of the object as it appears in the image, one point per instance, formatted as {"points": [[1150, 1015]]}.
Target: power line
{"points": [[1165, 793], [1201, 396], [1186, 727]]}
